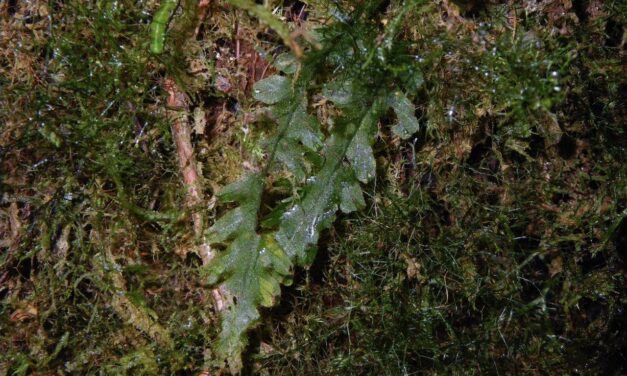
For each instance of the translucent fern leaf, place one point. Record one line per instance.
(406, 122)
(335, 185)
(286, 62)
(272, 89)
(360, 153)
(252, 268)
(296, 124)
(305, 128)
(229, 224)
(328, 165)
(242, 219)
(340, 92)
(242, 191)
(301, 225)
(298, 135)
(290, 154)
(251, 272)
(351, 197)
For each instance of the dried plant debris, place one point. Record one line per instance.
(363, 187)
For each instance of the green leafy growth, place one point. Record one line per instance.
(159, 25)
(406, 124)
(327, 160)
(272, 89)
(250, 271)
(335, 184)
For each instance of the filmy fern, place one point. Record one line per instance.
(327, 160)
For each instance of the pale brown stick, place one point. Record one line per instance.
(177, 115)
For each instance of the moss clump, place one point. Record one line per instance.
(90, 184)
(493, 245)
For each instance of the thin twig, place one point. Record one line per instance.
(177, 115)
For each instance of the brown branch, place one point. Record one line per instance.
(177, 115)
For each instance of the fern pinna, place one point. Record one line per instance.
(326, 164)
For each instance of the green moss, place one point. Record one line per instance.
(491, 239)
(484, 250)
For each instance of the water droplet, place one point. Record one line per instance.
(450, 114)
(40, 163)
(311, 230)
(419, 58)
(290, 213)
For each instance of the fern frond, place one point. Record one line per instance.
(328, 166)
